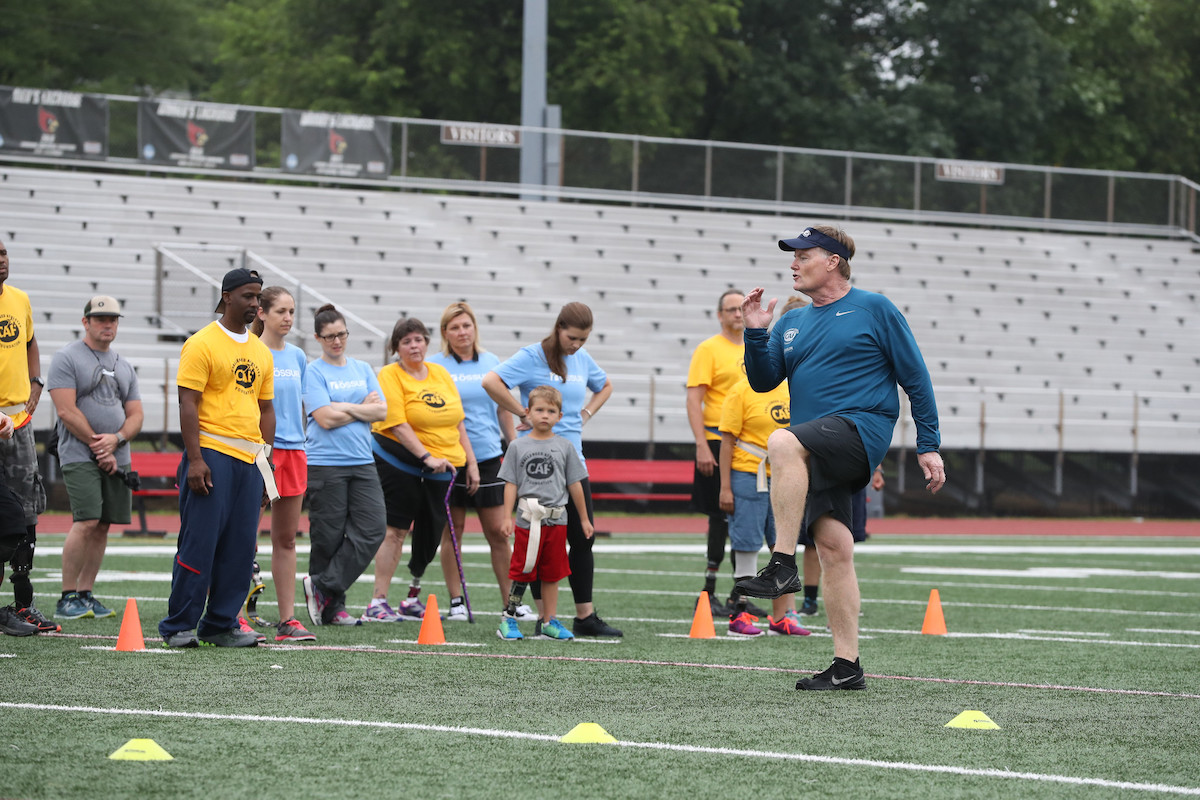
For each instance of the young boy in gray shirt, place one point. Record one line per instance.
(542, 470)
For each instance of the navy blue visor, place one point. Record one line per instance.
(814, 238)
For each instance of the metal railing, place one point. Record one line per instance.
(632, 169)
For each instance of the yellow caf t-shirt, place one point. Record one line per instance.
(718, 364)
(231, 378)
(753, 417)
(16, 329)
(432, 408)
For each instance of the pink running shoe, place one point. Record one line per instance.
(786, 626)
(743, 625)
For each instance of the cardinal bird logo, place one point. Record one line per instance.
(197, 136)
(337, 143)
(47, 121)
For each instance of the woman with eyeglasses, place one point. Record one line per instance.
(560, 361)
(345, 502)
(488, 428)
(421, 441)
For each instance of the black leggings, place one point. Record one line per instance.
(579, 554)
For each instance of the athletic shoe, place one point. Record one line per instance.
(838, 676)
(592, 625)
(342, 618)
(293, 631)
(245, 627)
(181, 639)
(508, 629)
(743, 625)
(720, 609)
(314, 600)
(34, 617)
(787, 625)
(234, 637)
(458, 613)
(12, 624)
(809, 607)
(73, 607)
(773, 580)
(553, 629)
(380, 612)
(98, 609)
(750, 609)
(525, 614)
(412, 609)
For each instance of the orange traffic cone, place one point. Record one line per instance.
(935, 623)
(431, 624)
(702, 621)
(130, 638)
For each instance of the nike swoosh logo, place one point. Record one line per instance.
(841, 313)
(840, 681)
(826, 428)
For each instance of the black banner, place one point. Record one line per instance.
(338, 145)
(186, 134)
(48, 122)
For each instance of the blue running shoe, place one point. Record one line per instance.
(73, 607)
(508, 629)
(553, 629)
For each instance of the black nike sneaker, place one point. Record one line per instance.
(841, 675)
(773, 580)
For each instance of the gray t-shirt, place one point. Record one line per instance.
(542, 468)
(103, 383)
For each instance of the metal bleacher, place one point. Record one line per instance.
(1050, 339)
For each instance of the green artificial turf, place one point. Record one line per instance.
(366, 717)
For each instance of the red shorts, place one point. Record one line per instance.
(551, 564)
(291, 472)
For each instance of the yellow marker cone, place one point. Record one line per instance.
(141, 750)
(588, 733)
(974, 720)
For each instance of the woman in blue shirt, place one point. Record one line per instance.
(488, 428)
(345, 515)
(276, 313)
(560, 361)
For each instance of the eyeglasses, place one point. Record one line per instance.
(731, 310)
(336, 337)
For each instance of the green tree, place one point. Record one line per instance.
(147, 47)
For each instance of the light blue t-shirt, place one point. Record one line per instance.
(483, 427)
(350, 444)
(528, 368)
(289, 396)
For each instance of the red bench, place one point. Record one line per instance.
(651, 474)
(153, 465)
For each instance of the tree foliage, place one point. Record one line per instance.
(1088, 83)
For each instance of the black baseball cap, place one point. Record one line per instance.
(235, 278)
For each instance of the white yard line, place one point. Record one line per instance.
(904, 766)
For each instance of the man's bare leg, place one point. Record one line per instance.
(835, 546)
(789, 488)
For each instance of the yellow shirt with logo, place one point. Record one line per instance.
(231, 378)
(753, 417)
(431, 407)
(718, 364)
(16, 329)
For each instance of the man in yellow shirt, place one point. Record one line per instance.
(717, 364)
(226, 384)
(20, 390)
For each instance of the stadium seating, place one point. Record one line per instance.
(1031, 330)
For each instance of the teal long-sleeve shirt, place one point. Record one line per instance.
(846, 359)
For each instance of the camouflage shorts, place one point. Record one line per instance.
(19, 465)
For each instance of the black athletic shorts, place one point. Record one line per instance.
(491, 488)
(837, 469)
